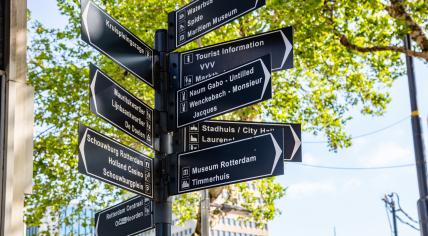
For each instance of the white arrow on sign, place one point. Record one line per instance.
(85, 19)
(82, 149)
(267, 77)
(297, 143)
(278, 152)
(288, 48)
(94, 80)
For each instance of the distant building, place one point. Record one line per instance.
(230, 225)
(80, 225)
(32, 231)
(227, 226)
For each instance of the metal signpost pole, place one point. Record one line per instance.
(163, 207)
(421, 168)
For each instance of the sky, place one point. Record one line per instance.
(321, 201)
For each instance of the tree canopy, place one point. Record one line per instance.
(346, 55)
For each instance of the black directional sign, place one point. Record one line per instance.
(131, 217)
(112, 39)
(107, 160)
(202, 16)
(242, 160)
(211, 133)
(200, 64)
(240, 87)
(118, 106)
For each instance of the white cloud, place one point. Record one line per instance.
(310, 189)
(311, 159)
(352, 184)
(389, 154)
(360, 142)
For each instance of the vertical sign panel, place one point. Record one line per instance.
(211, 133)
(202, 16)
(203, 63)
(131, 217)
(112, 39)
(237, 88)
(119, 107)
(247, 159)
(109, 161)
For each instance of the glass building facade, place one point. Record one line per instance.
(80, 225)
(227, 226)
(71, 225)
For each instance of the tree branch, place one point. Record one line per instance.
(398, 11)
(345, 42)
(227, 208)
(417, 33)
(215, 193)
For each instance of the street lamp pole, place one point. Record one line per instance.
(421, 168)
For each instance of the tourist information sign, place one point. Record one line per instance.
(260, 156)
(203, 63)
(107, 160)
(211, 133)
(112, 39)
(200, 17)
(131, 217)
(240, 87)
(119, 107)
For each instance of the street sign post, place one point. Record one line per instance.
(131, 217)
(237, 88)
(200, 17)
(119, 107)
(107, 160)
(260, 156)
(190, 87)
(203, 63)
(211, 133)
(112, 39)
